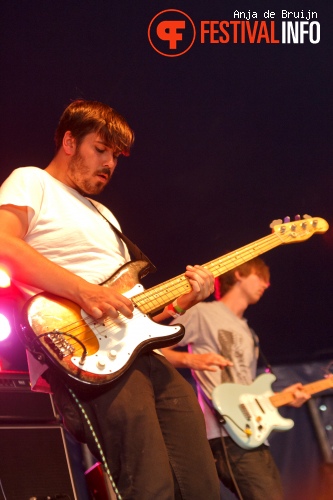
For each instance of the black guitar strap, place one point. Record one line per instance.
(132, 247)
(268, 367)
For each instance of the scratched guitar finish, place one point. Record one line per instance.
(57, 331)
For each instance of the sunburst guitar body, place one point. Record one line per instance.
(59, 332)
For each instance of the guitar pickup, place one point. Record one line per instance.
(245, 411)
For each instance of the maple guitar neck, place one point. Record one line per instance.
(157, 297)
(284, 398)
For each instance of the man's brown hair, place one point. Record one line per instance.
(83, 117)
(256, 266)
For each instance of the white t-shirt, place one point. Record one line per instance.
(65, 228)
(213, 327)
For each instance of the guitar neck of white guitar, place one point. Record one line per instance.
(284, 398)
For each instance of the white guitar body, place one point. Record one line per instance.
(248, 412)
(118, 339)
(60, 332)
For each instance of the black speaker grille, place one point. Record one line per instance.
(34, 463)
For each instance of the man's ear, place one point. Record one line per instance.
(69, 143)
(238, 276)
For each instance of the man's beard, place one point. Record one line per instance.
(78, 170)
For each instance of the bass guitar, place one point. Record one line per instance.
(57, 331)
(249, 412)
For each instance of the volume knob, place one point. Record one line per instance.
(100, 363)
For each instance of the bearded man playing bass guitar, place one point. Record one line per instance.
(145, 426)
(216, 331)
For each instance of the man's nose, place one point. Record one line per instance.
(110, 161)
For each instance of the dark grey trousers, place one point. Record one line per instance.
(254, 471)
(151, 429)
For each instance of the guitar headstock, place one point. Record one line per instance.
(299, 229)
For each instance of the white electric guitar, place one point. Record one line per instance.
(250, 412)
(57, 331)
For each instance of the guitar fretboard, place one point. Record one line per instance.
(284, 398)
(155, 298)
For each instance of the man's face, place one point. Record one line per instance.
(253, 286)
(91, 166)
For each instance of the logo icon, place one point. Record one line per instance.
(171, 33)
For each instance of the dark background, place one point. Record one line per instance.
(228, 138)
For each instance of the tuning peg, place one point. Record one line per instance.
(275, 223)
(297, 217)
(286, 219)
(306, 216)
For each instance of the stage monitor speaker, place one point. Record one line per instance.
(35, 464)
(18, 403)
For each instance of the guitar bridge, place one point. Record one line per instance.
(56, 340)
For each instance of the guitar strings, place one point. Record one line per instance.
(175, 288)
(171, 289)
(86, 333)
(157, 295)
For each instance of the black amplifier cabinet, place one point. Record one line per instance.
(35, 463)
(19, 404)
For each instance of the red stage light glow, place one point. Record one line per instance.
(5, 328)
(4, 279)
